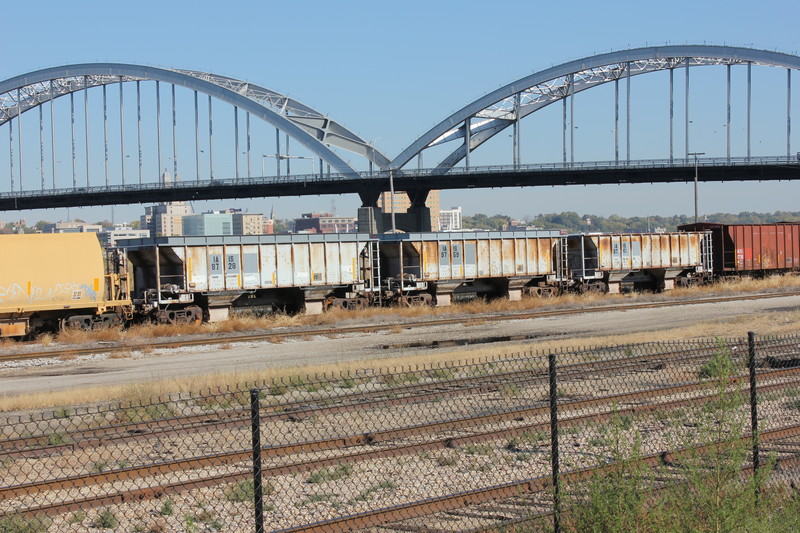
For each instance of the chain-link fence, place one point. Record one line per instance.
(637, 434)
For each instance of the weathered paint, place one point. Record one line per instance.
(251, 278)
(233, 267)
(283, 268)
(468, 258)
(216, 268)
(269, 266)
(50, 271)
(197, 268)
(645, 251)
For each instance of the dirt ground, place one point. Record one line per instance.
(395, 343)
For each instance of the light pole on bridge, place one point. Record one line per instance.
(695, 154)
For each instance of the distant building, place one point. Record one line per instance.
(121, 231)
(165, 219)
(450, 219)
(214, 223)
(225, 222)
(72, 227)
(248, 224)
(324, 223)
(402, 205)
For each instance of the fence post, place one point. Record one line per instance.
(258, 492)
(751, 364)
(554, 442)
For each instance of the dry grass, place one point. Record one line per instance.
(785, 323)
(766, 324)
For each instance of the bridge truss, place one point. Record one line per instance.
(310, 128)
(122, 157)
(479, 121)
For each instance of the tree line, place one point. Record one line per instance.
(572, 221)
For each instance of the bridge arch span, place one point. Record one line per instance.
(309, 127)
(496, 111)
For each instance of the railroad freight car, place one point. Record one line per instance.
(752, 249)
(485, 263)
(177, 278)
(52, 281)
(615, 262)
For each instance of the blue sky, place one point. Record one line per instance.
(390, 71)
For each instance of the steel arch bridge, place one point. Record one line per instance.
(505, 107)
(311, 128)
(468, 129)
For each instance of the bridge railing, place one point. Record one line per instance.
(384, 174)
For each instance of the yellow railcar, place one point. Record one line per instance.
(53, 281)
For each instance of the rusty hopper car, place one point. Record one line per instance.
(55, 281)
(446, 265)
(612, 262)
(753, 249)
(175, 278)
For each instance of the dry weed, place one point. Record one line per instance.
(766, 324)
(45, 339)
(121, 354)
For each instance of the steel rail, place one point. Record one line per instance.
(339, 443)
(482, 495)
(363, 399)
(379, 398)
(527, 315)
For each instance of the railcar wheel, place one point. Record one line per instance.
(77, 322)
(415, 300)
(107, 320)
(348, 303)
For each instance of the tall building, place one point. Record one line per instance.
(450, 219)
(402, 203)
(165, 219)
(248, 223)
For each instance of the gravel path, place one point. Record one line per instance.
(101, 370)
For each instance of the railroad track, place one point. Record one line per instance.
(381, 444)
(275, 336)
(36, 445)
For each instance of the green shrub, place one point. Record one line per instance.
(330, 474)
(106, 519)
(25, 524)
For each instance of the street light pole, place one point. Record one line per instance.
(695, 154)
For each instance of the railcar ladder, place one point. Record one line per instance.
(707, 253)
(562, 264)
(375, 269)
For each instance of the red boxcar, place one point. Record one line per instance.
(753, 248)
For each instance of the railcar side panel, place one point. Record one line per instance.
(251, 278)
(51, 270)
(197, 268)
(269, 265)
(233, 268)
(216, 268)
(753, 248)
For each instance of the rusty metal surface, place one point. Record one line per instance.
(630, 252)
(745, 248)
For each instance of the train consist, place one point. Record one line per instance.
(55, 281)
